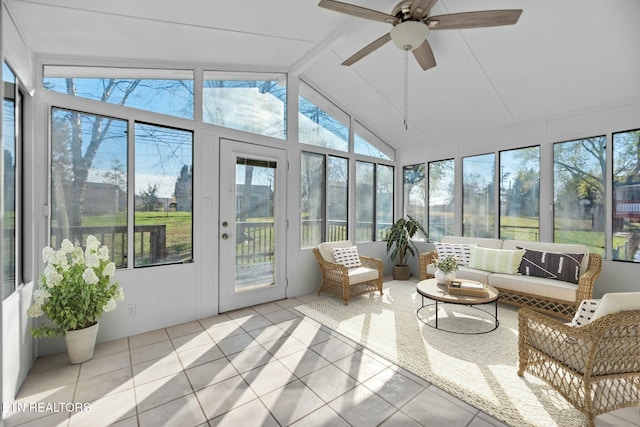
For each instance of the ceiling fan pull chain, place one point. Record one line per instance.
(406, 89)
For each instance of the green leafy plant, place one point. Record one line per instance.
(75, 288)
(399, 239)
(447, 264)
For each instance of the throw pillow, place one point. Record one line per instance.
(585, 312)
(615, 302)
(551, 265)
(347, 256)
(461, 251)
(496, 260)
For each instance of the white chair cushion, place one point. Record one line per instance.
(615, 302)
(362, 274)
(326, 248)
(546, 288)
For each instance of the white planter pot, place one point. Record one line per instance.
(80, 343)
(443, 278)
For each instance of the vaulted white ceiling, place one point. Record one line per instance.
(561, 58)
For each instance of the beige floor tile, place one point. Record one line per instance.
(236, 343)
(225, 396)
(242, 313)
(210, 373)
(267, 307)
(184, 411)
(250, 358)
(96, 387)
(111, 347)
(148, 338)
(159, 392)
(184, 329)
(106, 410)
(253, 322)
(254, 411)
(400, 419)
(269, 333)
(322, 417)
(394, 387)
(196, 339)
(60, 419)
(199, 355)
(333, 349)
(304, 362)
(291, 402)
(267, 378)
(282, 315)
(329, 382)
(156, 369)
(429, 407)
(208, 322)
(47, 363)
(224, 330)
(284, 346)
(360, 406)
(360, 366)
(49, 380)
(289, 302)
(153, 351)
(105, 364)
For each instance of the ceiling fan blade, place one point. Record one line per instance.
(421, 8)
(360, 12)
(484, 18)
(424, 55)
(367, 49)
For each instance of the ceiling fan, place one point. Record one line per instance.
(411, 25)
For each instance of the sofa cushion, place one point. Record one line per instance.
(615, 302)
(462, 251)
(567, 248)
(552, 265)
(347, 256)
(546, 288)
(483, 242)
(496, 260)
(467, 273)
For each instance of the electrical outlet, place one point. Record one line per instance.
(132, 310)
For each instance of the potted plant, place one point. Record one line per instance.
(75, 289)
(445, 269)
(399, 243)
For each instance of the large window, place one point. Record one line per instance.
(384, 200)
(320, 122)
(365, 197)
(164, 195)
(11, 225)
(579, 192)
(626, 196)
(415, 192)
(89, 180)
(441, 199)
(160, 91)
(252, 102)
(478, 177)
(367, 143)
(520, 194)
(314, 193)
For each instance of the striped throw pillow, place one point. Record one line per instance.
(496, 260)
(347, 256)
(461, 251)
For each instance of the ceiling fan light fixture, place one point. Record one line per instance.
(409, 35)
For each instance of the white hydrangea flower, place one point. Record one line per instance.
(35, 311)
(78, 255)
(67, 246)
(119, 296)
(103, 253)
(89, 276)
(109, 270)
(39, 295)
(61, 256)
(109, 306)
(91, 260)
(48, 254)
(53, 277)
(92, 244)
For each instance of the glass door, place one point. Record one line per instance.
(252, 229)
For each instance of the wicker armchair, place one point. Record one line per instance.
(596, 367)
(344, 282)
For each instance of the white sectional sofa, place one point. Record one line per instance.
(550, 295)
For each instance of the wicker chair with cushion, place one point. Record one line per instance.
(345, 273)
(594, 365)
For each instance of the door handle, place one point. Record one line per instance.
(225, 236)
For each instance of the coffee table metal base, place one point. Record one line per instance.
(493, 315)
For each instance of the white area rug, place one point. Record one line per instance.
(479, 369)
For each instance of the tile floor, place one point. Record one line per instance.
(261, 366)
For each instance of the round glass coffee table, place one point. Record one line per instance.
(440, 295)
